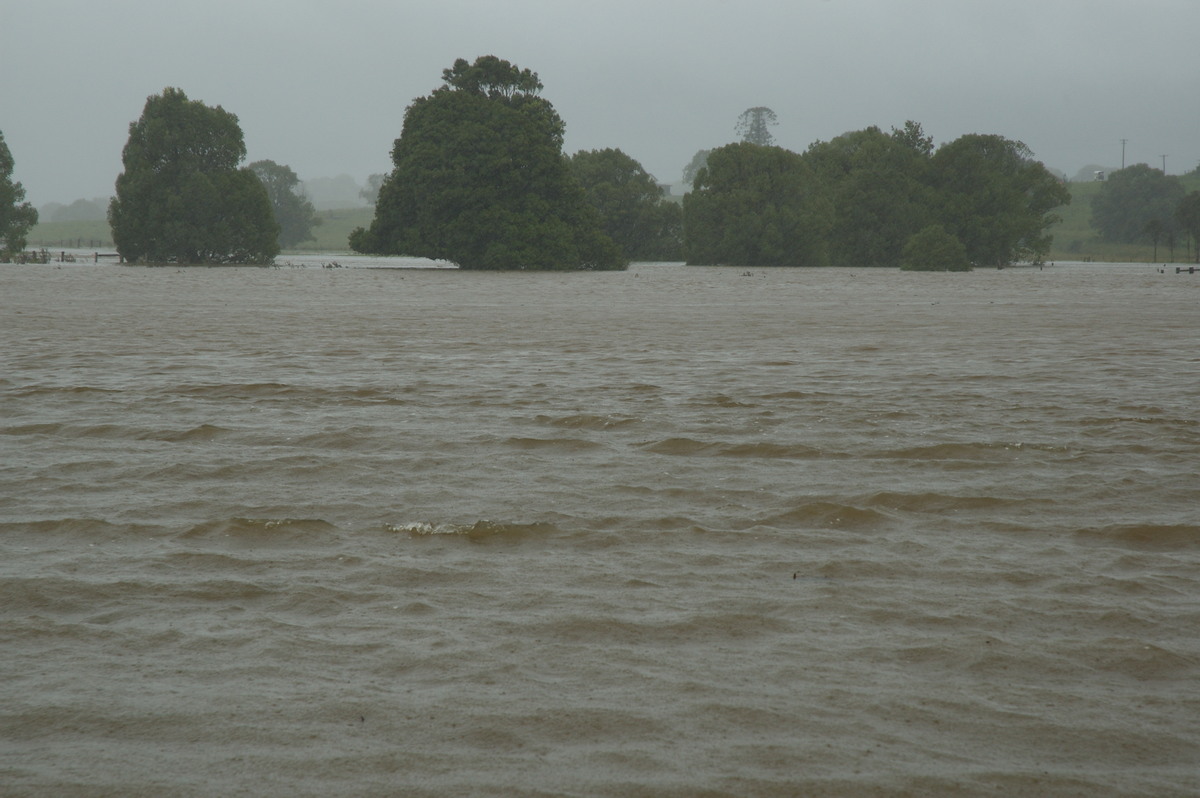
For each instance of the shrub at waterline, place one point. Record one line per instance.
(934, 250)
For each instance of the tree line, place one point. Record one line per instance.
(480, 178)
(1140, 203)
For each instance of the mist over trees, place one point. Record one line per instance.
(754, 126)
(861, 198)
(182, 197)
(1187, 216)
(17, 217)
(1137, 203)
(293, 212)
(633, 212)
(480, 179)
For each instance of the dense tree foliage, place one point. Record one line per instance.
(182, 197)
(295, 215)
(16, 216)
(757, 206)
(858, 200)
(877, 184)
(480, 179)
(635, 214)
(1135, 201)
(995, 198)
(934, 250)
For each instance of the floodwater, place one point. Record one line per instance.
(669, 532)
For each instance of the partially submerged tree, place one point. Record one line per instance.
(756, 206)
(17, 217)
(480, 179)
(294, 213)
(877, 184)
(995, 198)
(182, 197)
(634, 213)
(934, 250)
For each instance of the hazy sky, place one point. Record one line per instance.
(322, 86)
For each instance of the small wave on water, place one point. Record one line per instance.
(1145, 536)
(983, 451)
(587, 421)
(690, 447)
(482, 531)
(829, 515)
(262, 531)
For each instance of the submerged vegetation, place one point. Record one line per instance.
(480, 179)
(182, 197)
(864, 197)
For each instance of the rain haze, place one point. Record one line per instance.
(322, 87)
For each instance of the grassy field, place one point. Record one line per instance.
(332, 234)
(93, 235)
(1074, 237)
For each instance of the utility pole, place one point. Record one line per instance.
(1123, 152)
(1164, 163)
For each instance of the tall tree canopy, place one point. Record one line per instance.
(1134, 201)
(16, 216)
(995, 198)
(756, 206)
(635, 214)
(480, 179)
(876, 183)
(182, 197)
(754, 125)
(294, 213)
(861, 198)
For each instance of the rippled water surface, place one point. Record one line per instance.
(668, 532)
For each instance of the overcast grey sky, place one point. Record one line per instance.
(322, 86)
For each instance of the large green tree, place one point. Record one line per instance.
(182, 197)
(480, 179)
(995, 198)
(757, 206)
(294, 213)
(877, 184)
(1135, 201)
(16, 216)
(635, 214)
